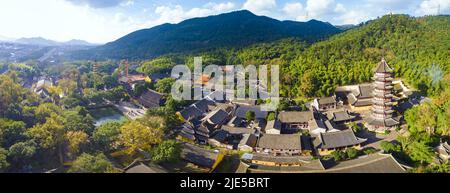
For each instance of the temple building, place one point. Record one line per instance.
(325, 104)
(382, 118)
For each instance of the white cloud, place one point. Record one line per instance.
(390, 5)
(295, 10)
(314, 9)
(340, 8)
(100, 3)
(432, 7)
(292, 9)
(127, 3)
(353, 17)
(175, 14)
(317, 8)
(221, 7)
(260, 6)
(62, 21)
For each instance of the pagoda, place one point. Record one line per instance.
(382, 115)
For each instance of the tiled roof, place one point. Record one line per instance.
(242, 110)
(151, 98)
(237, 130)
(296, 116)
(373, 163)
(274, 124)
(217, 116)
(191, 112)
(340, 116)
(383, 67)
(389, 122)
(337, 139)
(327, 100)
(282, 141)
(142, 168)
(249, 140)
(199, 156)
(203, 105)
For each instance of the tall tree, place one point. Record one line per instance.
(167, 151)
(87, 163)
(50, 135)
(420, 152)
(106, 136)
(76, 139)
(3, 162)
(141, 135)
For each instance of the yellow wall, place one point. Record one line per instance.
(363, 108)
(269, 163)
(218, 160)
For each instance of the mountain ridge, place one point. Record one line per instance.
(40, 41)
(234, 29)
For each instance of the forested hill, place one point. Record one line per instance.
(417, 48)
(235, 29)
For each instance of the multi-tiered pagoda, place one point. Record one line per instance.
(382, 117)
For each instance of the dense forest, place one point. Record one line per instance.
(39, 135)
(417, 49)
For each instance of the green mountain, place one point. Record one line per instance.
(418, 48)
(235, 29)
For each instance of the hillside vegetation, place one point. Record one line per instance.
(417, 48)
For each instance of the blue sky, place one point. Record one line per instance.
(101, 21)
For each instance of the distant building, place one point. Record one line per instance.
(41, 87)
(294, 120)
(216, 117)
(203, 158)
(443, 152)
(281, 161)
(189, 113)
(203, 133)
(273, 127)
(187, 132)
(220, 139)
(361, 98)
(237, 130)
(326, 143)
(246, 102)
(151, 99)
(324, 104)
(340, 117)
(141, 167)
(248, 142)
(284, 144)
(236, 122)
(320, 125)
(196, 111)
(241, 112)
(372, 163)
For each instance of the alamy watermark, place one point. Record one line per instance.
(231, 82)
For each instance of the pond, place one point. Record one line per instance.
(105, 115)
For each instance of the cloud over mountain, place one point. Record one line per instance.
(100, 3)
